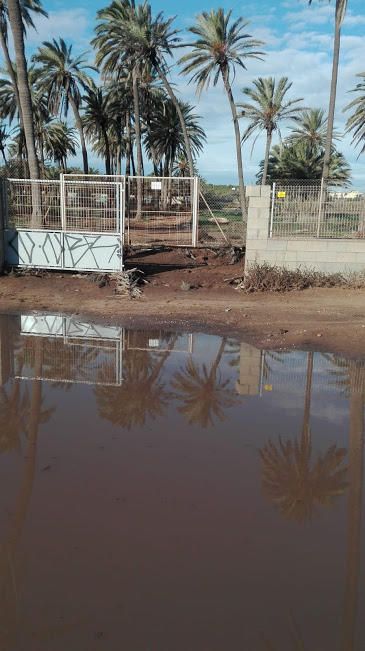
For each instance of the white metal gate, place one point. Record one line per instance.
(74, 223)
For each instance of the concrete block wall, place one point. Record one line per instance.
(327, 255)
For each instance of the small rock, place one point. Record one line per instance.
(228, 309)
(319, 335)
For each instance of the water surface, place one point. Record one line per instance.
(168, 492)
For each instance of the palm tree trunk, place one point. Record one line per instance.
(25, 99)
(238, 144)
(332, 104)
(107, 153)
(11, 73)
(137, 128)
(356, 470)
(80, 129)
(267, 155)
(128, 144)
(176, 104)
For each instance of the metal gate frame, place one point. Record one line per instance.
(59, 240)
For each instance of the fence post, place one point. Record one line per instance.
(62, 202)
(273, 199)
(195, 225)
(320, 208)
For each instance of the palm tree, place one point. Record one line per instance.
(311, 129)
(221, 47)
(341, 7)
(117, 57)
(301, 161)
(26, 8)
(268, 108)
(62, 77)
(356, 121)
(59, 142)
(96, 120)
(130, 33)
(25, 99)
(164, 139)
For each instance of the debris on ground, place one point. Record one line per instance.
(128, 283)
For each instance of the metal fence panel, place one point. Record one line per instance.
(160, 210)
(33, 204)
(306, 211)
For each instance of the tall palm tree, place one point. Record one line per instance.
(341, 8)
(63, 78)
(27, 7)
(356, 121)
(134, 34)
(116, 56)
(164, 140)
(222, 46)
(269, 107)
(25, 99)
(96, 120)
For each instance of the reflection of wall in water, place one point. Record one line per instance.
(250, 371)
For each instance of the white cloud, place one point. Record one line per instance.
(72, 25)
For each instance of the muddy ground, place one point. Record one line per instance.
(323, 319)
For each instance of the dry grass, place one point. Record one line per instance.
(271, 278)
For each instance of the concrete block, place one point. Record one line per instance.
(253, 191)
(277, 245)
(260, 202)
(266, 191)
(260, 243)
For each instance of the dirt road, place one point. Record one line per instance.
(323, 319)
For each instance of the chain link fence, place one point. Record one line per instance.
(304, 209)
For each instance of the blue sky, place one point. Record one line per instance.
(298, 44)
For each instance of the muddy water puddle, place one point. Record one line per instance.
(165, 492)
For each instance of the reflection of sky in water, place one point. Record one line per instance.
(161, 535)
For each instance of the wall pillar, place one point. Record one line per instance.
(258, 221)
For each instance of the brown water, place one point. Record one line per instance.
(165, 492)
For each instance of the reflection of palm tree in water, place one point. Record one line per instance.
(290, 478)
(354, 381)
(9, 593)
(350, 376)
(142, 395)
(203, 391)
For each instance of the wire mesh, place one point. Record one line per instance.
(312, 211)
(33, 204)
(92, 206)
(160, 210)
(220, 216)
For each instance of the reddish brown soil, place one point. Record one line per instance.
(325, 319)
